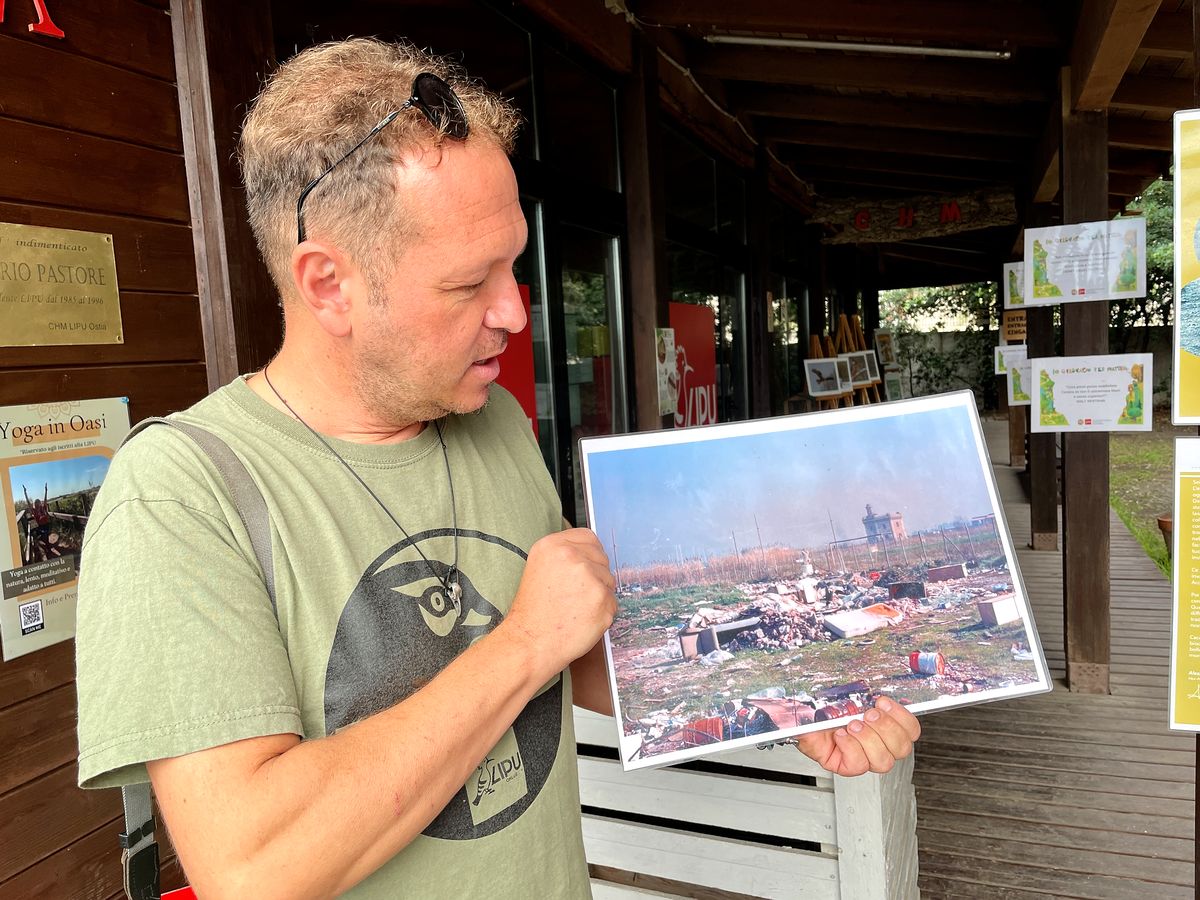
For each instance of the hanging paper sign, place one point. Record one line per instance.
(1184, 695)
(53, 457)
(668, 372)
(696, 363)
(885, 347)
(1014, 285)
(516, 365)
(1185, 376)
(1007, 355)
(1013, 328)
(1084, 262)
(1019, 375)
(1092, 393)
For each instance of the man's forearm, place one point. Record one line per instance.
(314, 818)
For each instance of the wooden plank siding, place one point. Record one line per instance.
(90, 139)
(1064, 794)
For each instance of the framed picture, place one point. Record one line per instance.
(893, 384)
(872, 365)
(860, 371)
(843, 372)
(822, 378)
(777, 576)
(885, 346)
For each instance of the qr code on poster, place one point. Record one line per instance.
(31, 617)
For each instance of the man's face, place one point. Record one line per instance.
(430, 342)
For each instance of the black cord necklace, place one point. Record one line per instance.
(451, 583)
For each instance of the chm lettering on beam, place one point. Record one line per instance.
(860, 221)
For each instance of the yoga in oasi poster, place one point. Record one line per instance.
(1186, 388)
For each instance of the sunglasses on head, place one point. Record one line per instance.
(433, 97)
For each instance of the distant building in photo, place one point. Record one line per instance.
(883, 527)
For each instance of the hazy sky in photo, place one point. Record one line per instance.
(65, 476)
(923, 465)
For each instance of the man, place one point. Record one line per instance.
(397, 722)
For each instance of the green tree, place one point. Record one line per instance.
(1131, 318)
(944, 337)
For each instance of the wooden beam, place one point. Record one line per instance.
(1107, 35)
(931, 21)
(1086, 585)
(645, 203)
(604, 35)
(892, 140)
(1169, 35)
(1138, 162)
(1147, 92)
(1120, 185)
(758, 312)
(891, 112)
(1045, 172)
(1139, 134)
(822, 178)
(965, 170)
(204, 169)
(998, 81)
(682, 97)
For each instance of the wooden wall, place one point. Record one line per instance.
(90, 139)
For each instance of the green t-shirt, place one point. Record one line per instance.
(178, 648)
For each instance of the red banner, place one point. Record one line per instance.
(516, 366)
(696, 364)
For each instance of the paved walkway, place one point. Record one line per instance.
(1064, 795)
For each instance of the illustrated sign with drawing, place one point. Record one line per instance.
(1084, 262)
(1092, 393)
(1013, 279)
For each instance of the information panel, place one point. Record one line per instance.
(1184, 700)
(1185, 393)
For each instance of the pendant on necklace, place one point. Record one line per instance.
(455, 590)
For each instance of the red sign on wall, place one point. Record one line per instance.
(696, 363)
(516, 365)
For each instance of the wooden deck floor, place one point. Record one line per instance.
(1064, 795)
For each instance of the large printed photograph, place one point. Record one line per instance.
(779, 576)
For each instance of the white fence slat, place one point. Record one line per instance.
(606, 890)
(743, 804)
(738, 866)
(593, 728)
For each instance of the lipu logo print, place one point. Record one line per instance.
(398, 630)
(492, 772)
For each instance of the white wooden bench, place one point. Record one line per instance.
(762, 823)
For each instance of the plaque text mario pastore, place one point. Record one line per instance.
(57, 287)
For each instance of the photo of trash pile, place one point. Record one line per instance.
(771, 655)
(806, 575)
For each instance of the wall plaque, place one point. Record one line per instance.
(57, 287)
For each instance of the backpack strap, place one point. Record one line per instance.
(139, 856)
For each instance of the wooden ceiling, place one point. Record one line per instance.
(861, 123)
